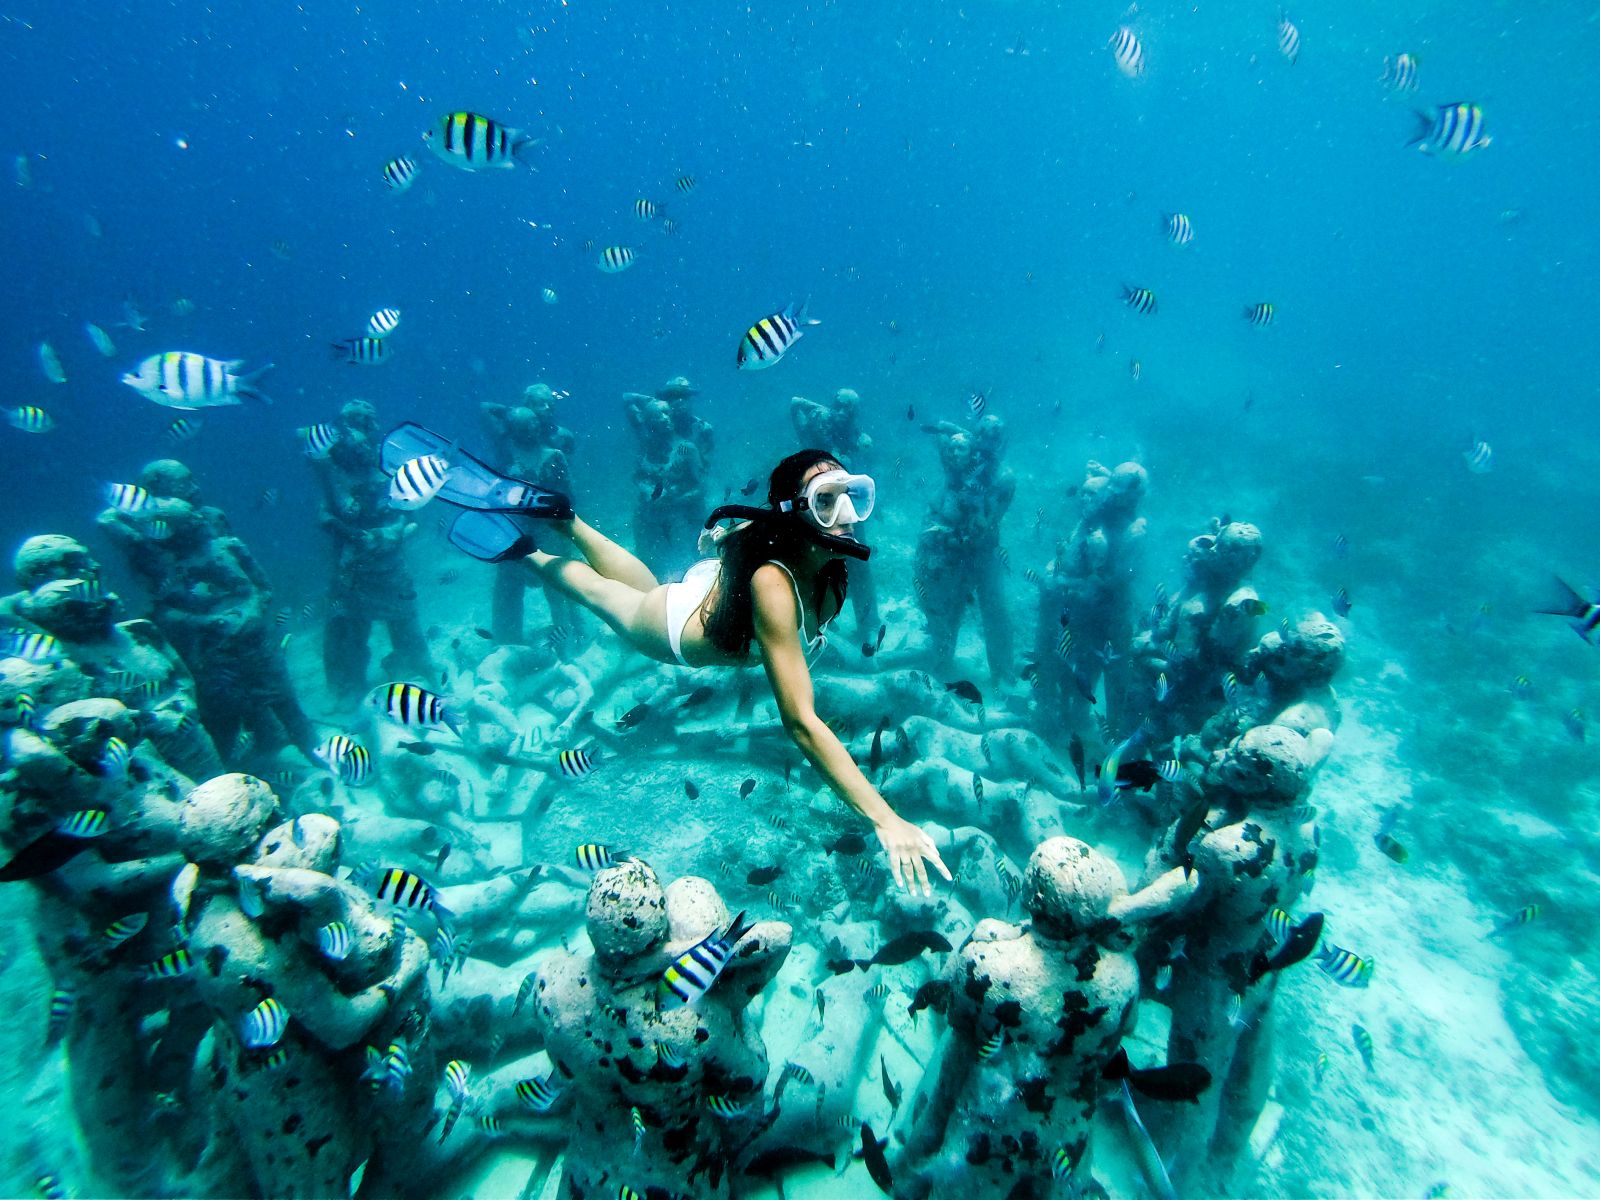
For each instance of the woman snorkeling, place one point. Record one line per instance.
(779, 577)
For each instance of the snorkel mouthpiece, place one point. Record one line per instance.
(848, 547)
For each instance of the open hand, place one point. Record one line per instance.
(909, 851)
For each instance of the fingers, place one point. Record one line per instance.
(932, 855)
(921, 875)
(895, 866)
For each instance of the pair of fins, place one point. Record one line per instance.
(495, 508)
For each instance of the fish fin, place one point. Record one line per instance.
(245, 385)
(1118, 1067)
(1424, 128)
(737, 929)
(801, 317)
(1565, 601)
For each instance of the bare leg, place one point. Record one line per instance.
(638, 615)
(606, 557)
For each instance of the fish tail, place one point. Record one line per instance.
(246, 384)
(521, 146)
(1564, 601)
(1424, 128)
(737, 929)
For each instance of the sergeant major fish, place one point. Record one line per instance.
(184, 380)
(475, 143)
(770, 338)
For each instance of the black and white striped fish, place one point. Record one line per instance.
(645, 209)
(1400, 72)
(1452, 130)
(127, 498)
(263, 1026)
(63, 1003)
(1179, 229)
(363, 351)
(316, 440)
(406, 889)
(724, 1107)
(1141, 300)
(170, 966)
(124, 928)
(576, 764)
(88, 823)
(615, 259)
(1344, 967)
(691, 974)
(1128, 52)
(400, 172)
(1260, 314)
(29, 418)
(592, 856)
(1479, 457)
(335, 940)
(770, 338)
(383, 322)
(30, 647)
(417, 481)
(412, 706)
(184, 429)
(346, 758)
(538, 1094)
(1288, 38)
(180, 379)
(475, 143)
(684, 183)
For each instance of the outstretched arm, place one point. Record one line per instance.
(776, 622)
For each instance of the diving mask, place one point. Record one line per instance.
(835, 498)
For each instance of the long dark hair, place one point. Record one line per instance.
(730, 626)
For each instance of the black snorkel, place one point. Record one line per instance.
(847, 547)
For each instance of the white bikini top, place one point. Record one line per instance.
(813, 645)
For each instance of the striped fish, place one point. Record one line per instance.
(29, 418)
(1279, 923)
(1141, 300)
(765, 342)
(114, 756)
(49, 1187)
(363, 351)
(1400, 72)
(33, 647)
(1525, 915)
(671, 1058)
(335, 940)
(417, 481)
(644, 209)
(725, 1108)
(128, 498)
(614, 260)
(576, 764)
(63, 1002)
(1260, 314)
(275, 1060)
(400, 172)
(592, 856)
(475, 143)
(548, 295)
(669, 226)
(405, 889)
(316, 440)
(691, 974)
(524, 990)
(27, 706)
(457, 1078)
(89, 823)
(183, 380)
(1125, 48)
(976, 403)
(1171, 770)
(1062, 1162)
(1288, 38)
(346, 758)
(684, 183)
(184, 429)
(1479, 457)
(992, 1044)
(638, 1128)
(412, 706)
(1363, 1041)
(1180, 230)
(1452, 129)
(383, 322)
(264, 1024)
(1344, 967)
(170, 966)
(538, 1094)
(1230, 688)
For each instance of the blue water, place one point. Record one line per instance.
(896, 165)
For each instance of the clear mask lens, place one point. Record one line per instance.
(839, 498)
